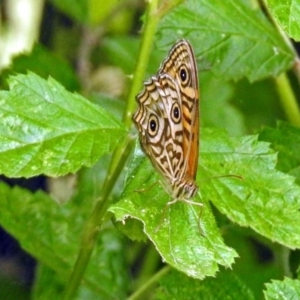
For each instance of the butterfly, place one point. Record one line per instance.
(167, 120)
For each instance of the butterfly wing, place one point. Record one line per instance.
(159, 123)
(181, 66)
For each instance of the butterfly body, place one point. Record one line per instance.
(168, 120)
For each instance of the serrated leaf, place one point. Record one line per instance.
(285, 139)
(186, 236)
(45, 129)
(233, 38)
(225, 286)
(51, 233)
(287, 14)
(264, 199)
(286, 289)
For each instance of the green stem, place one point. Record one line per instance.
(153, 16)
(148, 285)
(288, 99)
(91, 229)
(286, 94)
(150, 263)
(120, 155)
(283, 259)
(151, 21)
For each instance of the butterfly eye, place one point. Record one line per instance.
(153, 125)
(175, 113)
(183, 74)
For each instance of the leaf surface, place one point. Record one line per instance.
(287, 14)
(238, 176)
(47, 130)
(232, 38)
(285, 289)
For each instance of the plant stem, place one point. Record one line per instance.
(120, 155)
(283, 260)
(139, 293)
(151, 21)
(153, 16)
(150, 264)
(287, 99)
(91, 229)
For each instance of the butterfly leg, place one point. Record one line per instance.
(146, 188)
(199, 204)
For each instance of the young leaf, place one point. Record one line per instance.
(51, 233)
(287, 14)
(45, 129)
(286, 289)
(225, 286)
(232, 37)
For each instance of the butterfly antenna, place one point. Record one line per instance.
(221, 176)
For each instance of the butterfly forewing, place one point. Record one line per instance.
(168, 122)
(181, 63)
(161, 135)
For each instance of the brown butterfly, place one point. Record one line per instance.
(168, 121)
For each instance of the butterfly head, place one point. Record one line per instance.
(184, 188)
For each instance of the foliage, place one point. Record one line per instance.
(248, 178)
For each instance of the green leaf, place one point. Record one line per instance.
(225, 286)
(185, 235)
(264, 197)
(122, 52)
(216, 110)
(286, 289)
(285, 139)
(287, 14)
(45, 129)
(51, 233)
(232, 38)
